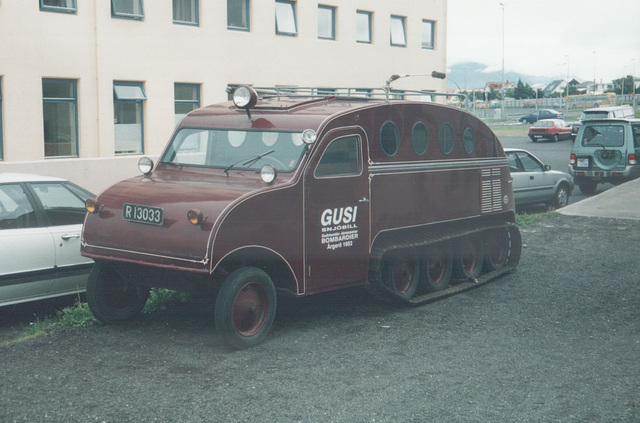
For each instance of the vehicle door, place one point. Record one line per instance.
(337, 212)
(537, 184)
(27, 252)
(64, 207)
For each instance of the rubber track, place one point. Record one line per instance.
(457, 286)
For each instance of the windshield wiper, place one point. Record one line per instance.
(250, 161)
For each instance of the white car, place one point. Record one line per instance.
(534, 182)
(40, 225)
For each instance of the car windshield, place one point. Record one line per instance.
(231, 149)
(605, 135)
(593, 115)
(543, 123)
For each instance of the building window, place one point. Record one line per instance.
(186, 98)
(128, 9)
(63, 6)
(286, 18)
(60, 112)
(428, 28)
(238, 14)
(398, 37)
(128, 100)
(363, 27)
(326, 22)
(185, 12)
(1, 149)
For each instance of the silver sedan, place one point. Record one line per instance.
(535, 183)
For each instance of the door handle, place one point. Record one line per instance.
(67, 237)
(363, 200)
(532, 177)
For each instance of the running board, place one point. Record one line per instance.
(461, 286)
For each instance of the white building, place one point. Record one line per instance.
(87, 87)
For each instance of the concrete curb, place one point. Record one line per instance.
(621, 202)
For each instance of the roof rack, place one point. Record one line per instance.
(377, 93)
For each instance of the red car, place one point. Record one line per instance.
(551, 129)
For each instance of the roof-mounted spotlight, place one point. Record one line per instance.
(245, 97)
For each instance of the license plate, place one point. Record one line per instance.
(583, 162)
(142, 214)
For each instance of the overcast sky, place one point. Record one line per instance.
(542, 36)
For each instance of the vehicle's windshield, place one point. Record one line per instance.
(232, 149)
(603, 136)
(543, 124)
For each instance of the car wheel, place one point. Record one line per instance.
(588, 187)
(468, 261)
(533, 139)
(437, 269)
(556, 138)
(245, 307)
(401, 275)
(111, 298)
(560, 198)
(497, 250)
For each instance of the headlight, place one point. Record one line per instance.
(145, 165)
(309, 136)
(268, 174)
(245, 97)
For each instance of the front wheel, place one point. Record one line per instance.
(111, 298)
(556, 138)
(245, 307)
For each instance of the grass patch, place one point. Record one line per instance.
(516, 130)
(525, 219)
(79, 315)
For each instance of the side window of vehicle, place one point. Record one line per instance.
(636, 136)
(62, 206)
(342, 157)
(16, 211)
(528, 163)
(513, 162)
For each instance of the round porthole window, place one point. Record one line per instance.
(468, 141)
(419, 138)
(445, 138)
(389, 138)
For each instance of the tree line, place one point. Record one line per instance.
(523, 91)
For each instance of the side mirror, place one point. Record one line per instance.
(547, 168)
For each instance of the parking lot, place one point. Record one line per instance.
(558, 340)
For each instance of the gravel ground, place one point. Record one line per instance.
(556, 341)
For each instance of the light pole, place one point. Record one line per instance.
(566, 100)
(633, 79)
(594, 73)
(502, 82)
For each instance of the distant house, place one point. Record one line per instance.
(589, 87)
(497, 86)
(557, 86)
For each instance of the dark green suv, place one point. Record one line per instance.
(605, 150)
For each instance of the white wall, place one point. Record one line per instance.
(96, 49)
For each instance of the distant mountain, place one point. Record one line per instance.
(476, 75)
